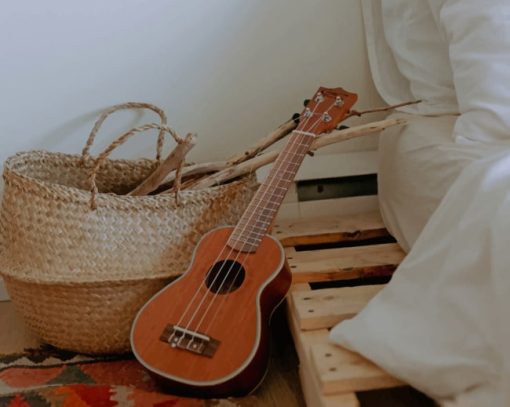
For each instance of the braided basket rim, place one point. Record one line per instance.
(68, 194)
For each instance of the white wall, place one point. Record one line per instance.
(228, 70)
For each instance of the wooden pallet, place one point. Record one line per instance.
(317, 255)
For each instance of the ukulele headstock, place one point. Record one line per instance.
(325, 110)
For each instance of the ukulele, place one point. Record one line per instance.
(206, 334)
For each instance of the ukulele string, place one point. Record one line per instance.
(190, 303)
(223, 265)
(291, 157)
(188, 325)
(226, 279)
(222, 301)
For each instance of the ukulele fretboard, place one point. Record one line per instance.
(262, 210)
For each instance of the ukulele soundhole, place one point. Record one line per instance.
(225, 277)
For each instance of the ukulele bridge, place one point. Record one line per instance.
(195, 342)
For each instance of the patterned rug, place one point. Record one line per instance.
(47, 377)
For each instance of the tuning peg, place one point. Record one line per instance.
(326, 117)
(305, 102)
(296, 117)
(342, 127)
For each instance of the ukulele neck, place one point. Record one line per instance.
(261, 211)
(322, 113)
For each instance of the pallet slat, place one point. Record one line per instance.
(352, 372)
(344, 263)
(316, 309)
(342, 371)
(303, 340)
(330, 229)
(330, 374)
(309, 384)
(313, 396)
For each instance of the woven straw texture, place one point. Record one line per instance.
(78, 275)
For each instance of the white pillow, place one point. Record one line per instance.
(478, 34)
(421, 53)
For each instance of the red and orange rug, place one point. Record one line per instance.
(47, 377)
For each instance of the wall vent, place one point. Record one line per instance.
(340, 187)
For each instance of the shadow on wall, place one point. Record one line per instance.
(112, 128)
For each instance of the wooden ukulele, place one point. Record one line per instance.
(206, 334)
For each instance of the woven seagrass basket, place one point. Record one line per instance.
(77, 275)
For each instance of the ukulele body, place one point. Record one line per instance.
(202, 339)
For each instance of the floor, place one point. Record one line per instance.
(280, 388)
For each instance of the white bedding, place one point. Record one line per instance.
(441, 324)
(418, 163)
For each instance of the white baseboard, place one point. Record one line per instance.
(330, 166)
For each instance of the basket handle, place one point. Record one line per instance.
(129, 105)
(120, 140)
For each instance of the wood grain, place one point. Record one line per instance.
(320, 141)
(314, 398)
(276, 135)
(344, 263)
(294, 232)
(330, 374)
(231, 318)
(174, 159)
(333, 368)
(341, 371)
(316, 309)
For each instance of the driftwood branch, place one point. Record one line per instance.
(323, 140)
(235, 171)
(263, 143)
(380, 109)
(172, 162)
(337, 136)
(213, 173)
(191, 171)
